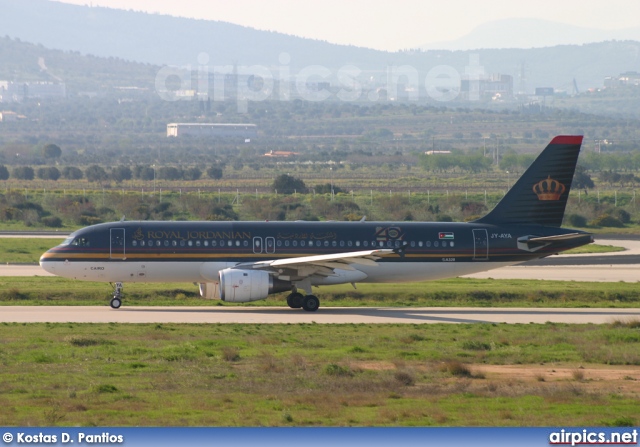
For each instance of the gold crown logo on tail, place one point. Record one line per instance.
(549, 189)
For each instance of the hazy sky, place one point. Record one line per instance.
(386, 24)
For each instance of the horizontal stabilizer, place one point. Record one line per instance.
(534, 243)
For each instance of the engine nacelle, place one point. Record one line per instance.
(241, 286)
(210, 290)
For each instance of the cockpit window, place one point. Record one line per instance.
(67, 241)
(81, 242)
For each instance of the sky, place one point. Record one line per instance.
(385, 24)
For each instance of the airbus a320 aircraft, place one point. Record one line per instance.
(247, 261)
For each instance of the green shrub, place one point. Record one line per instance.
(606, 220)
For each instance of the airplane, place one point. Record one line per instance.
(247, 261)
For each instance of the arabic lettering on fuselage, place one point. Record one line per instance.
(317, 236)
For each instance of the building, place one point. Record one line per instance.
(281, 154)
(8, 117)
(246, 131)
(623, 79)
(12, 91)
(42, 90)
(491, 87)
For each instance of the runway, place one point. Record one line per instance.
(335, 315)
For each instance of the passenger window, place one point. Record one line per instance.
(436, 243)
(420, 244)
(326, 243)
(451, 244)
(134, 243)
(413, 243)
(190, 243)
(166, 243)
(206, 243)
(182, 243)
(157, 243)
(428, 243)
(197, 243)
(142, 243)
(295, 243)
(286, 243)
(342, 243)
(365, 243)
(303, 243)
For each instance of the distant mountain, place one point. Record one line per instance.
(531, 33)
(161, 40)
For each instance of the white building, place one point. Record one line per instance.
(212, 130)
(7, 116)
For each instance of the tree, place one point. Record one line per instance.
(121, 173)
(192, 174)
(286, 184)
(95, 173)
(50, 173)
(170, 173)
(51, 151)
(582, 180)
(214, 172)
(4, 172)
(72, 173)
(143, 172)
(23, 173)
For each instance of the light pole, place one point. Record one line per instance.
(331, 169)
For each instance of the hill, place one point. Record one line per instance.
(26, 62)
(531, 33)
(164, 40)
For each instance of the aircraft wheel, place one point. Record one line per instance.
(310, 303)
(116, 303)
(294, 300)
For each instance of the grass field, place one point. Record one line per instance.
(317, 375)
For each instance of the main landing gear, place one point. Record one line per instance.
(116, 301)
(296, 300)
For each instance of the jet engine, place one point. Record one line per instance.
(241, 286)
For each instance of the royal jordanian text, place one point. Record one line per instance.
(66, 438)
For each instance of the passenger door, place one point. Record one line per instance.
(117, 246)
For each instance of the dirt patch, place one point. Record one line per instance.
(623, 379)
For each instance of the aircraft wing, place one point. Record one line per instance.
(321, 265)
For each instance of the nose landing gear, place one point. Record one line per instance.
(116, 301)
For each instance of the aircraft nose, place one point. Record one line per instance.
(45, 264)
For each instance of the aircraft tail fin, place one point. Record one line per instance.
(540, 195)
